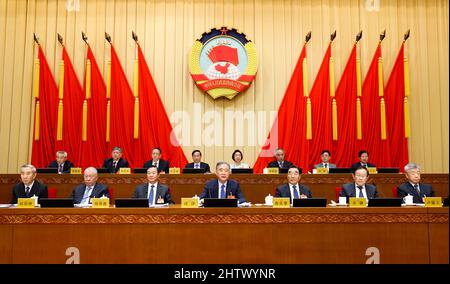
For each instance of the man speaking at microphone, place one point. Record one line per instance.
(222, 187)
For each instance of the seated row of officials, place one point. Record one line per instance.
(116, 161)
(222, 187)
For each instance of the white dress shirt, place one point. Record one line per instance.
(363, 191)
(220, 189)
(155, 186)
(291, 189)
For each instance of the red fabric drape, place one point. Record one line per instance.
(155, 129)
(378, 149)
(322, 131)
(122, 110)
(72, 112)
(344, 149)
(43, 151)
(289, 128)
(395, 94)
(94, 149)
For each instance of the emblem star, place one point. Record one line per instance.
(224, 30)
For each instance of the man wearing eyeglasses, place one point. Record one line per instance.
(83, 193)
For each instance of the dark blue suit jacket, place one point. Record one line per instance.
(406, 188)
(211, 190)
(274, 164)
(356, 165)
(202, 166)
(98, 191)
(283, 191)
(163, 165)
(108, 164)
(40, 190)
(66, 168)
(348, 190)
(162, 191)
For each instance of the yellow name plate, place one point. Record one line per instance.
(25, 202)
(75, 171)
(124, 171)
(174, 171)
(281, 202)
(189, 202)
(433, 202)
(100, 202)
(372, 170)
(357, 202)
(322, 170)
(273, 171)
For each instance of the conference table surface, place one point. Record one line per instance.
(224, 235)
(255, 187)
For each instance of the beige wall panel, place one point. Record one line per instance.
(167, 30)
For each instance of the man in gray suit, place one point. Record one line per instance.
(325, 156)
(155, 192)
(359, 188)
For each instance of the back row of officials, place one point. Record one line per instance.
(222, 187)
(116, 161)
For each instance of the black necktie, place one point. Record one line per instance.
(27, 191)
(326, 165)
(114, 164)
(360, 191)
(60, 168)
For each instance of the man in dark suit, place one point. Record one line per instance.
(222, 187)
(293, 189)
(325, 156)
(61, 163)
(155, 192)
(280, 162)
(29, 186)
(198, 164)
(363, 156)
(160, 164)
(359, 188)
(116, 162)
(413, 186)
(83, 193)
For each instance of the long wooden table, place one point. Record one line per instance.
(254, 186)
(224, 235)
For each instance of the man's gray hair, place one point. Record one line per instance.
(91, 170)
(64, 153)
(117, 149)
(222, 163)
(279, 149)
(411, 166)
(29, 166)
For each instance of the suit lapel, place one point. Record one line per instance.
(215, 190)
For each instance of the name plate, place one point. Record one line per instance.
(25, 202)
(322, 171)
(75, 171)
(372, 170)
(189, 202)
(357, 202)
(174, 171)
(433, 202)
(281, 202)
(100, 202)
(124, 171)
(273, 171)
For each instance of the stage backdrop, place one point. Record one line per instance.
(167, 29)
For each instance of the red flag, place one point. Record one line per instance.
(43, 151)
(344, 149)
(122, 106)
(372, 141)
(289, 128)
(321, 112)
(395, 113)
(72, 112)
(94, 149)
(155, 129)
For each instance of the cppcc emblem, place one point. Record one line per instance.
(223, 63)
